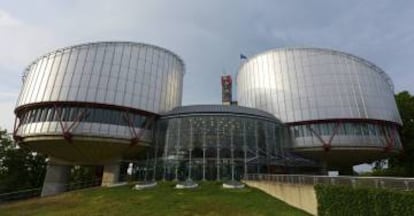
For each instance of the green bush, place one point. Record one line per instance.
(345, 200)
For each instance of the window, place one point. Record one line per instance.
(72, 113)
(44, 113)
(32, 115)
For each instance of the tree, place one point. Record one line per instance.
(20, 168)
(405, 161)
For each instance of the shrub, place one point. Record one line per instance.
(345, 200)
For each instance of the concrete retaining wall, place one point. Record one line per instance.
(297, 195)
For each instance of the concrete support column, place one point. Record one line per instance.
(110, 174)
(56, 179)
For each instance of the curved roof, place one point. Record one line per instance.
(332, 51)
(215, 108)
(97, 43)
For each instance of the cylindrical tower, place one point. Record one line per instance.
(340, 108)
(95, 102)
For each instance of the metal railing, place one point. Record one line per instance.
(393, 183)
(36, 192)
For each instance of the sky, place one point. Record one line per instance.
(208, 35)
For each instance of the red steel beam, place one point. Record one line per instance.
(84, 104)
(326, 145)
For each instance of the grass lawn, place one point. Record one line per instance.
(208, 199)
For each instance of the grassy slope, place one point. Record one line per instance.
(209, 199)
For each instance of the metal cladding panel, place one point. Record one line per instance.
(126, 74)
(305, 84)
(218, 109)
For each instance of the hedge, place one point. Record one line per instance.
(345, 200)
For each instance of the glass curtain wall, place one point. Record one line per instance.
(215, 147)
(374, 133)
(83, 114)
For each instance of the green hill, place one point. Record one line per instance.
(208, 199)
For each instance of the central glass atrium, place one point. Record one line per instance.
(214, 142)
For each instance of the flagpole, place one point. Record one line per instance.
(243, 58)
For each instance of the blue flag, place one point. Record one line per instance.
(242, 56)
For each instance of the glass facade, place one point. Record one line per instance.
(344, 134)
(94, 100)
(134, 76)
(302, 84)
(314, 89)
(127, 74)
(219, 145)
(78, 113)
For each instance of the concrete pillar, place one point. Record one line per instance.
(56, 179)
(110, 174)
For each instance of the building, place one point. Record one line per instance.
(220, 142)
(226, 90)
(340, 108)
(110, 102)
(95, 104)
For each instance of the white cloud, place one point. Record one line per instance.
(6, 115)
(5, 95)
(20, 42)
(208, 35)
(6, 20)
